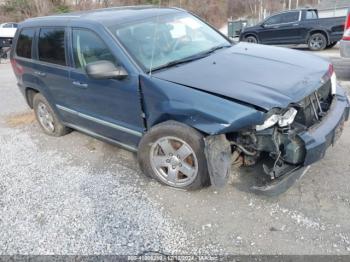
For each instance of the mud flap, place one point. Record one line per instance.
(218, 154)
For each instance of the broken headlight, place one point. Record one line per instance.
(283, 120)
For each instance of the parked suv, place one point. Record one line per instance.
(166, 84)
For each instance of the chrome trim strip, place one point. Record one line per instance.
(102, 122)
(67, 109)
(93, 134)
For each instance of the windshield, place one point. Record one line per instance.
(159, 41)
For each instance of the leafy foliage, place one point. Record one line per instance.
(215, 12)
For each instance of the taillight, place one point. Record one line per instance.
(330, 75)
(346, 35)
(18, 69)
(330, 70)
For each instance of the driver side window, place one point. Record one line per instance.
(88, 48)
(273, 20)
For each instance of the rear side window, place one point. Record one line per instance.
(290, 17)
(311, 14)
(51, 46)
(88, 48)
(24, 43)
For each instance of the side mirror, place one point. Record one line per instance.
(105, 70)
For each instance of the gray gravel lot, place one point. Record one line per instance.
(77, 195)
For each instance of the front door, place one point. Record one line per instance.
(282, 29)
(110, 107)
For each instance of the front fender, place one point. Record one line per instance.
(207, 112)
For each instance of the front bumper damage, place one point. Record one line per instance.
(293, 151)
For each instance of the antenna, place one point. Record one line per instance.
(154, 38)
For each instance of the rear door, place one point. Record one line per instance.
(21, 58)
(51, 69)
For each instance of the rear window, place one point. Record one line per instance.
(24, 43)
(51, 46)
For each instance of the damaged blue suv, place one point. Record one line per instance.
(162, 82)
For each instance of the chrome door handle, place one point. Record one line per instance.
(79, 84)
(38, 73)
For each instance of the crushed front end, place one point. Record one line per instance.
(293, 138)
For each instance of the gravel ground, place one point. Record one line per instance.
(77, 195)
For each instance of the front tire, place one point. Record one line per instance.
(173, 154)
(251, 39)
(317, 42)
(47, 118)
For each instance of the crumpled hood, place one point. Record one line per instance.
(259, 75)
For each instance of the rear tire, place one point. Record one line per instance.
(317, 42)
(47, 118)
(173, 154)
(251, 39)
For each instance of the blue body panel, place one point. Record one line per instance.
(204, 111)
(228, 91)
(320, 137)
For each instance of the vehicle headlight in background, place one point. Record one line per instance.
(330, 75)
(283, 120)
(334, 83)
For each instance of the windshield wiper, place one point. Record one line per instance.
(215, 48)
(180, 61)
(191, 58)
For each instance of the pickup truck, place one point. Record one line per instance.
(302, 26)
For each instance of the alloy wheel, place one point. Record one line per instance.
(316, 42)
(45, 118)
(174, 162)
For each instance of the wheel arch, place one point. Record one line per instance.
(245, 35)
(321, 31)
(185, 135)
(29, 95)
